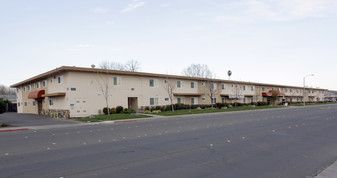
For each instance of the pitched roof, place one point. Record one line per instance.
(119, 72)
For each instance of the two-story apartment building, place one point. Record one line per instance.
(78, 92)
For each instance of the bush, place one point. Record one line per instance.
(105, 110)
(113, 111)
(219, 105)
(147, 108)
(126, 111)
(147, 112)
(119, 109)
(2, 106)
(132, 111)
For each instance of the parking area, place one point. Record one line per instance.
(21, 120)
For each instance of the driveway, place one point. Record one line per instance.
(22, 120)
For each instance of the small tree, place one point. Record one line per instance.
(211, 90)
(104, 85)
(275, 96)
(198, 70)
(170, 87)
(132, 65)
(237, 91)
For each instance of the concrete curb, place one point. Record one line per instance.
(330, 172)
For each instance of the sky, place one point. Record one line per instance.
(267, 41)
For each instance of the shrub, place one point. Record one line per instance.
(158, 107)
(147, 112)
(119, 109)
(156, 111)
(105, 110)
(219, 105)
(113, 111)
(126, 111)
(132, 111)
(147, 108)
(2, 106)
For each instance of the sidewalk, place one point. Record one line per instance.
(330, 172)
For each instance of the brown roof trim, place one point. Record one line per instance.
(97, 70)
(54, 94)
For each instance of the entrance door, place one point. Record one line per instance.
(133, 103)
(39, 106)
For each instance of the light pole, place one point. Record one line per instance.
(304, 87)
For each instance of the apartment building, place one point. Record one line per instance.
(78, 92)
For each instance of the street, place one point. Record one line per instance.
(285, 143)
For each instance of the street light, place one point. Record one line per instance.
(304, 87)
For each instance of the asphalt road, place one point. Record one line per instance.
(292, 142)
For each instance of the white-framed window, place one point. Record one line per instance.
(25, 103)
(72, 106)
(213, 86)
(60, 79)
(38, 85)
(194, 100)
(33, 85)
(51, 103)
(44, 83)
(180, 84)
(24, 88)
(252, 88)
(153, 83)
(29, 87)
(194, 84)
(223, 100)
(18, 104)
(244, 100)
(244, 87)
(34, 103)
(167, 99)
(213, 100)
(223, 86)
(117, 81)
(153, 101)
(181, 100)
(263, 89)
(286, 89)
(203, 83)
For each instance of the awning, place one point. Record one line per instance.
(187, 94)
(36, 94)
(55, 94)
(271, 92)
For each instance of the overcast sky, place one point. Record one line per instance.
(269, 41)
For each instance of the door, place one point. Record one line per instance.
(133, 103)
(39, 106)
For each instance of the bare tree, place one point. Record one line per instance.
(104, 85)
(4, 90)
(132, 65)
(211, 90)
(170, 87)
(237, 93)
(198, 70)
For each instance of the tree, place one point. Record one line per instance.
(170, 87)
(132, 65)
(2, 106)
(275, 95)
(237, 93)
(198, 70)
(104, 85)
(211, 90)
(4, 90)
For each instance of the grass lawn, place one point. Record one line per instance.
(310, 104)
(111, 117)
(199, 111)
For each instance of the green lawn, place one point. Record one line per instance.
(199, 111)
(111, 117)
(310, 104)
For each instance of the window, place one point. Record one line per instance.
(25, 103)
(263, 89)
(244, 100)
(244, 88)
(203, 99)
(223, 100)
(180, 84)
(203, 83)
(166, 99)
(29, 87)
(60, 79)
(213, 86)
(51, 103)
(18, 104)
(117, 81)
(252, 88)
(213, 100)
(33, 85)
(72, 106)
(223, 86)
(192, 84)
(34, 103)
(153, 83)
(291, 90)
(44, 83)
(153, 101)
(181, 100)
(24, 88)
(194, 100)
(286, 89)
(38, 85)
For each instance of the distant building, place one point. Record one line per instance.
(330, 96)
(12, 105)
(76, 92)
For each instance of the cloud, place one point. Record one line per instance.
(133, 5)
(276, 10)
(101, 10)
